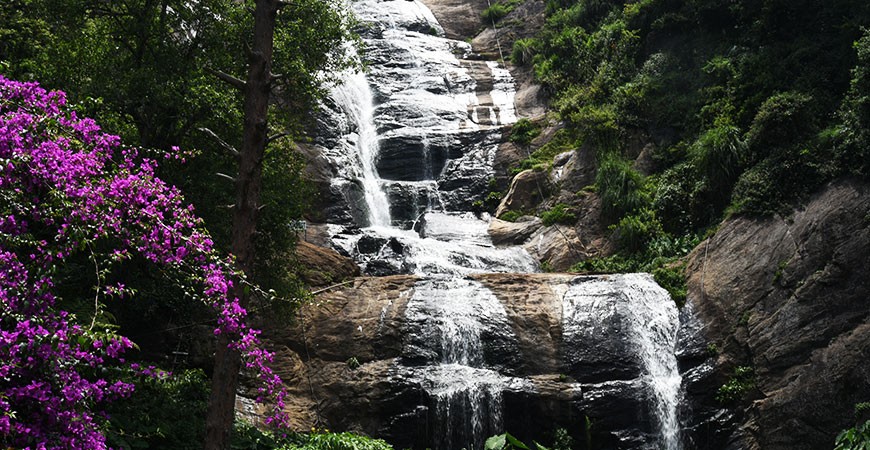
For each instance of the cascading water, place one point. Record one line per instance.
(653, 323)
(448, 316)
(425, 153)
(354, 96)
(649, 317)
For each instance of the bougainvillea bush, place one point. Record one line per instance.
(68, 190)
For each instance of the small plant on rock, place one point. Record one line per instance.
(558, 214)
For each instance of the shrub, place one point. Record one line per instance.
(782, 121)
(523, 51)
(248, 437)
(524, 131)
(855, 438)
(620, 187)
(635, 231)
(596, 125)
(497, 11)
(741, 381)
(718, 154)
(673, 279)
(510, 216)
(165, 411)
(558, 214)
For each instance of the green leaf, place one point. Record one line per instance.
(515, 442)
(495, 442)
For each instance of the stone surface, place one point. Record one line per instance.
(322, 266)
(351, 363)
(528, 189)
(503, 232)
(790, 297)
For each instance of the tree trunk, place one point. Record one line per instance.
(221, 407)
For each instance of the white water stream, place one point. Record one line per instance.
(355, 97)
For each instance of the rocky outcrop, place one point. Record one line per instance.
(322, 266)
(789, 298)
(503, 232)
(354, 359)
(528, 189)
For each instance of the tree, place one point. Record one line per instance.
(248, 184)
(70, 191)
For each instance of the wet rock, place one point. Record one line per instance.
(555, 377)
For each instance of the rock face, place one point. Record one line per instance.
(556, 351)
(528, 189)
(790, 298)
(323, 265)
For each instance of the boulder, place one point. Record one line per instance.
(503, 232)
(528, 189)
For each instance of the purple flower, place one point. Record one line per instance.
(63, 176)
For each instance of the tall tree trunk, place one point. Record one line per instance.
(221, 407)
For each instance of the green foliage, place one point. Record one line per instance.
(511, 216)
(543, 157)
(163, 412)
(782, 121)
(751, 106)
(498, 10)
(340, 441)
(634, 231)
(718, 155)
(352, 363)
(621, 188)
(562, 440)
(523, 131)
(558, 214)
(609, 264)
(248, 437)
(855, 438)
(672, 277)
(712, 350)
(741, 381)
(507, 442)
(523, 51)
(853, 150)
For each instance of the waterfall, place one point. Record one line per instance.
(425, 153)
(449, 317)
(653, 323)
(649, 318)
(355, 98)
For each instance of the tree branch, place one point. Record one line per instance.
(225, 176)
(277, 136)
(229, 79)
(220, 141)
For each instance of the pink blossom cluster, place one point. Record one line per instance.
(64, 188)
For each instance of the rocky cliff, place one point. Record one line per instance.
(788, 298)
(566, 354)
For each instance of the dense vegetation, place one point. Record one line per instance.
(751, 106)
(162, 75)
